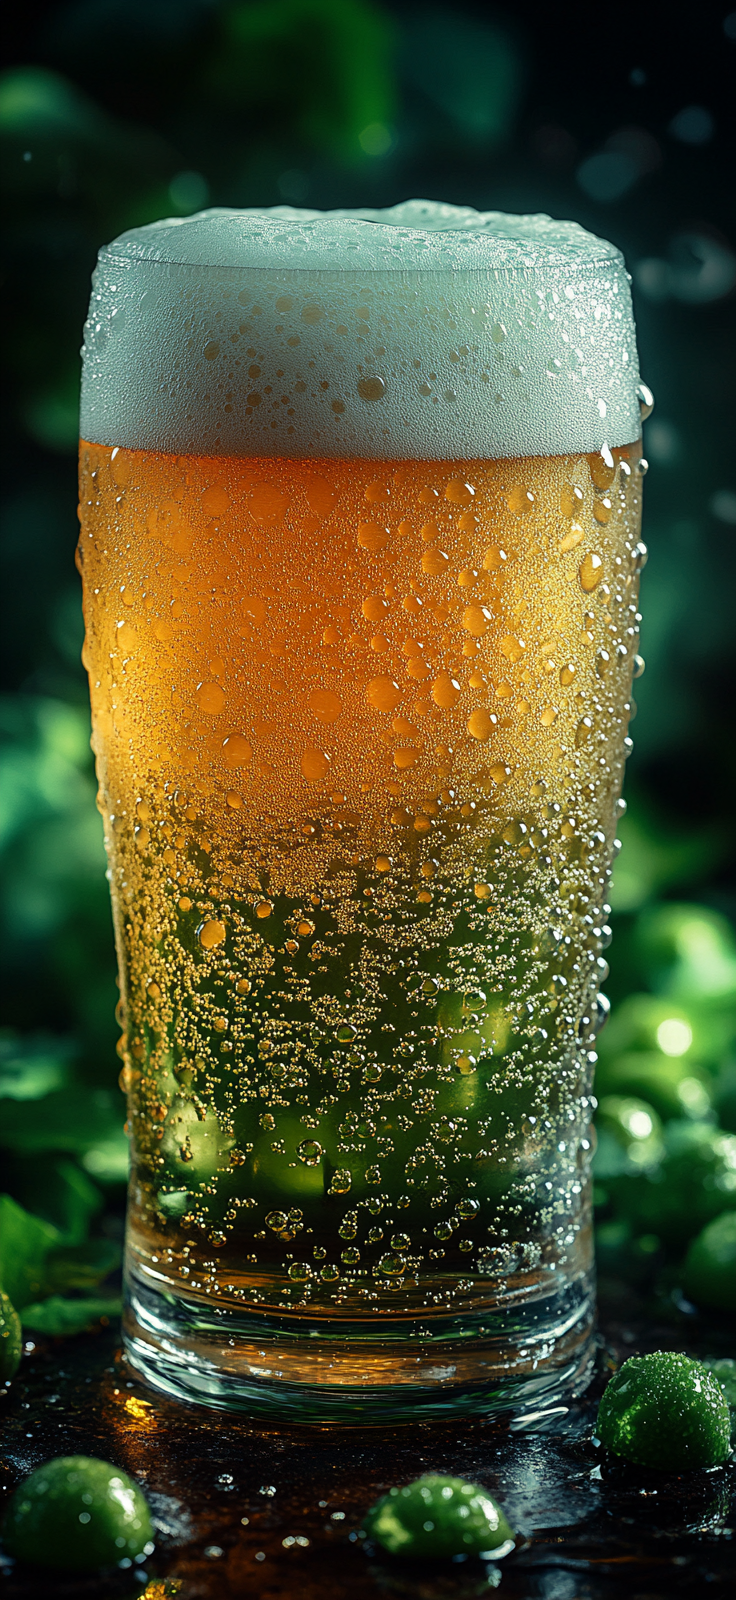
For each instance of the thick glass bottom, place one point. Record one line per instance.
(526, 1360)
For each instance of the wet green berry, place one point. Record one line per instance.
(665, 1410)
(11, 1339)
(77, 1513)
(694, 1183)
(438, 1516)
(709, 1274)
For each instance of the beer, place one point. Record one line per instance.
(360, 723)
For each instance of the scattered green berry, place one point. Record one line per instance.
(694, 1183)
(665, 1410)
(670, 1085)
(11, 1339)
(633, 1132)
(438, 1516)
(77, 1513)
(709, 1276)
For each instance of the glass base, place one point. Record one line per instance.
(527, 1360)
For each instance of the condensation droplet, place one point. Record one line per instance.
(210, 698)
(434, 562)
(236, 750)
(459, 493)
(520, 499)
(277, 1220)
(476, 620)
(481, 724)
(371, 388)
(310, 1152)
(446, 691)
(590, 571)
(646, 400)
(314, 765)
(383, 694)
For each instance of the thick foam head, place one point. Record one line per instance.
(426, 330)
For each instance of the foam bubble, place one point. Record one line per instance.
(425, 331)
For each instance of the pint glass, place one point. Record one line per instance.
(360, 501)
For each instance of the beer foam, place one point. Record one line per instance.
(424, 331)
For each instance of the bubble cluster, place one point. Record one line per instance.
(424, 330)
(360, 893)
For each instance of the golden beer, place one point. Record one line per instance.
(360, 725)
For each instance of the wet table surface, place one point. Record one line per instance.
(244, 1510)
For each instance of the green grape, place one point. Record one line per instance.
(79, 1514)
(665, 1410)
(644, 1022)
(692, 1185)
(439, 1516)
(709, 1276)
(629, 1136)
(673, 1086)
(11, 1338)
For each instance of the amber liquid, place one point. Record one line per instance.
(360, 733)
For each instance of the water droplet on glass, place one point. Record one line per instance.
(383, 694)
(590, 572)
(314, 765)
(236, 751)
(210, 698)
(481, 724)
(459, 492)
(446, 691)
(277, 1220)
(371, 388)
(520, 499)
(310, 1152)
(646, 400)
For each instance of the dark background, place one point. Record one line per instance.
(116, 112)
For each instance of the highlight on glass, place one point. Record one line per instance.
(360, 508)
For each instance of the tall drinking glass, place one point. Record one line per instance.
(360, 502)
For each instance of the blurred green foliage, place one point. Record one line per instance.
(116, 112)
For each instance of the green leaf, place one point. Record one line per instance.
(76, 1120)
(25, 1245)
(656, 857)
(60, 1317)
(82, 1267)
(36, 1261)
(31, 1068)
(56, 1189)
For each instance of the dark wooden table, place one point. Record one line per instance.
(241, 1510)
